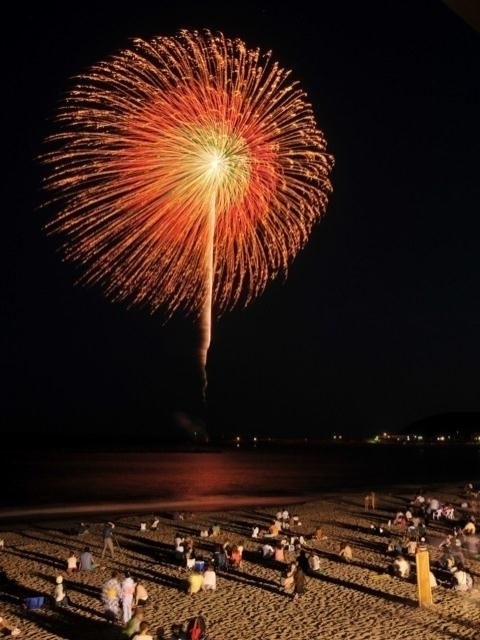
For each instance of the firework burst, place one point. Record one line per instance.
(185, 173)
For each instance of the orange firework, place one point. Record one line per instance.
(186, 172)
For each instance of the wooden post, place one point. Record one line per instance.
(422, 559)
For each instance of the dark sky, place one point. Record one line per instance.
(378, 323)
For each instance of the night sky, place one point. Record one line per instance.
(378, 322)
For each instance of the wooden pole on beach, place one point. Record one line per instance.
(422, 559)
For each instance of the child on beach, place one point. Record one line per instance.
(60, 597)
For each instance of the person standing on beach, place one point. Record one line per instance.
(111, 594)
(303, 562)
(370, 501)
(287, 579)
(128, 591)
(300, 582)
(108, 539)
(140, 597)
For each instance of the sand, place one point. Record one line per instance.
(354, 601)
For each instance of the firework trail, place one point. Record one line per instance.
(185, 173)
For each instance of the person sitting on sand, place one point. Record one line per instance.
(463, 580)
(274, 529)
(401, 567)
(346, 553)
(86, 560)
(82, 529)
(195, 582)
(314, 562)
(318, 534)
(178, 541)
(446, 542)
(400, 520)
(469, 528)
(209, 579)
(72, 563)
(279, 554)
(220, 558)
(235, 557)
(447, 561)
(59, 595)
(412, 546)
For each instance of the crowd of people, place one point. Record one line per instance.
(411, 528)
(281, 545)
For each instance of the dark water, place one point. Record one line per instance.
(87, 482)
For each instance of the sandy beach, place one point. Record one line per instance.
(354, 601)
